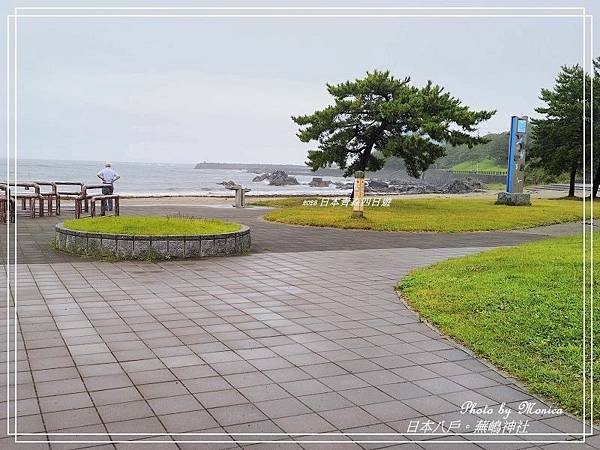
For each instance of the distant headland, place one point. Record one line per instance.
(293, 169)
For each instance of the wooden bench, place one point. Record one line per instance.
(82, 201)
(32, 199)
(103, 199)
(51, 198)
(7, 204)
(63, 193)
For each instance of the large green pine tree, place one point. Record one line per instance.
(557, 137)
(596, 131)
(380, 116)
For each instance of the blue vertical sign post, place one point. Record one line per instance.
(515, 179)
(516, 154)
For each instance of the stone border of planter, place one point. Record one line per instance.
(125, 246)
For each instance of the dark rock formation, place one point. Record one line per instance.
(262, 177)
(463, 186)
(319, 182)
(277, 178)
(229, 183)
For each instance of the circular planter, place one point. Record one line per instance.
(127, 246)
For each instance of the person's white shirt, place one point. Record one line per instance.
(108, 175)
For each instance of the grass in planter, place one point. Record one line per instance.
(151, 225)
(448, 215)
(521, 308)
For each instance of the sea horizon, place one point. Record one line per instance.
(143, 178)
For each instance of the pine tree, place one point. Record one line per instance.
(380, 116)
(596, 131)
(557, 137)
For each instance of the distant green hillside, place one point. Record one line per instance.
(485, 165)
(490, 156)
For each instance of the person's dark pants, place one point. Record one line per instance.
(108, 190)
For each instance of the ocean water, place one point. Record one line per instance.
(158, 178)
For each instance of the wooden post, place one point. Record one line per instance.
(359, 194)
(85, 199)
(32, 207)
(77, 208)
(116, 206)
(93, 208)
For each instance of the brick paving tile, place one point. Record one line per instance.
(402, 391)
(187, 421)
(365, 396)
(390, 411)
(237, 414)
(214, 399)
(282, 408)
(114, 396)
(152, 376)
(164, 389)
(264, 392)
(206, 384)
(247, 379)
(146, 425)
(103, 382)
(305, 387)
(125, 411)
(261, 426)
(302, 423)
(174, 404)
(349, 417)
(72, 418)
(430, 405)
(65, 402)
(439, 385)
(325, 401)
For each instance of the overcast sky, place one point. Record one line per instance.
(223, 89)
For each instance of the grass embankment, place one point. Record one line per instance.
(429, 214)
(485, 165)
(151, 225)
(521, 308)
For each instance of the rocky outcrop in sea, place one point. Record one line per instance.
(463, 186)
(277, 178)
(319, 182)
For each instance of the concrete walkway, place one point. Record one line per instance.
(291, 342)
(34, 235)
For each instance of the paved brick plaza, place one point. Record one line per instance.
(275, 342)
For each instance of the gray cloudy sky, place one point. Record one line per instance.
(223, 89)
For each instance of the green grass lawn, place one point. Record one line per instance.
(482, 166)
(429, 214)
(521, 308)
(496, 186)
(151, 225)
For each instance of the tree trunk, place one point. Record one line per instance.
(596, 181)
(572, 181)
